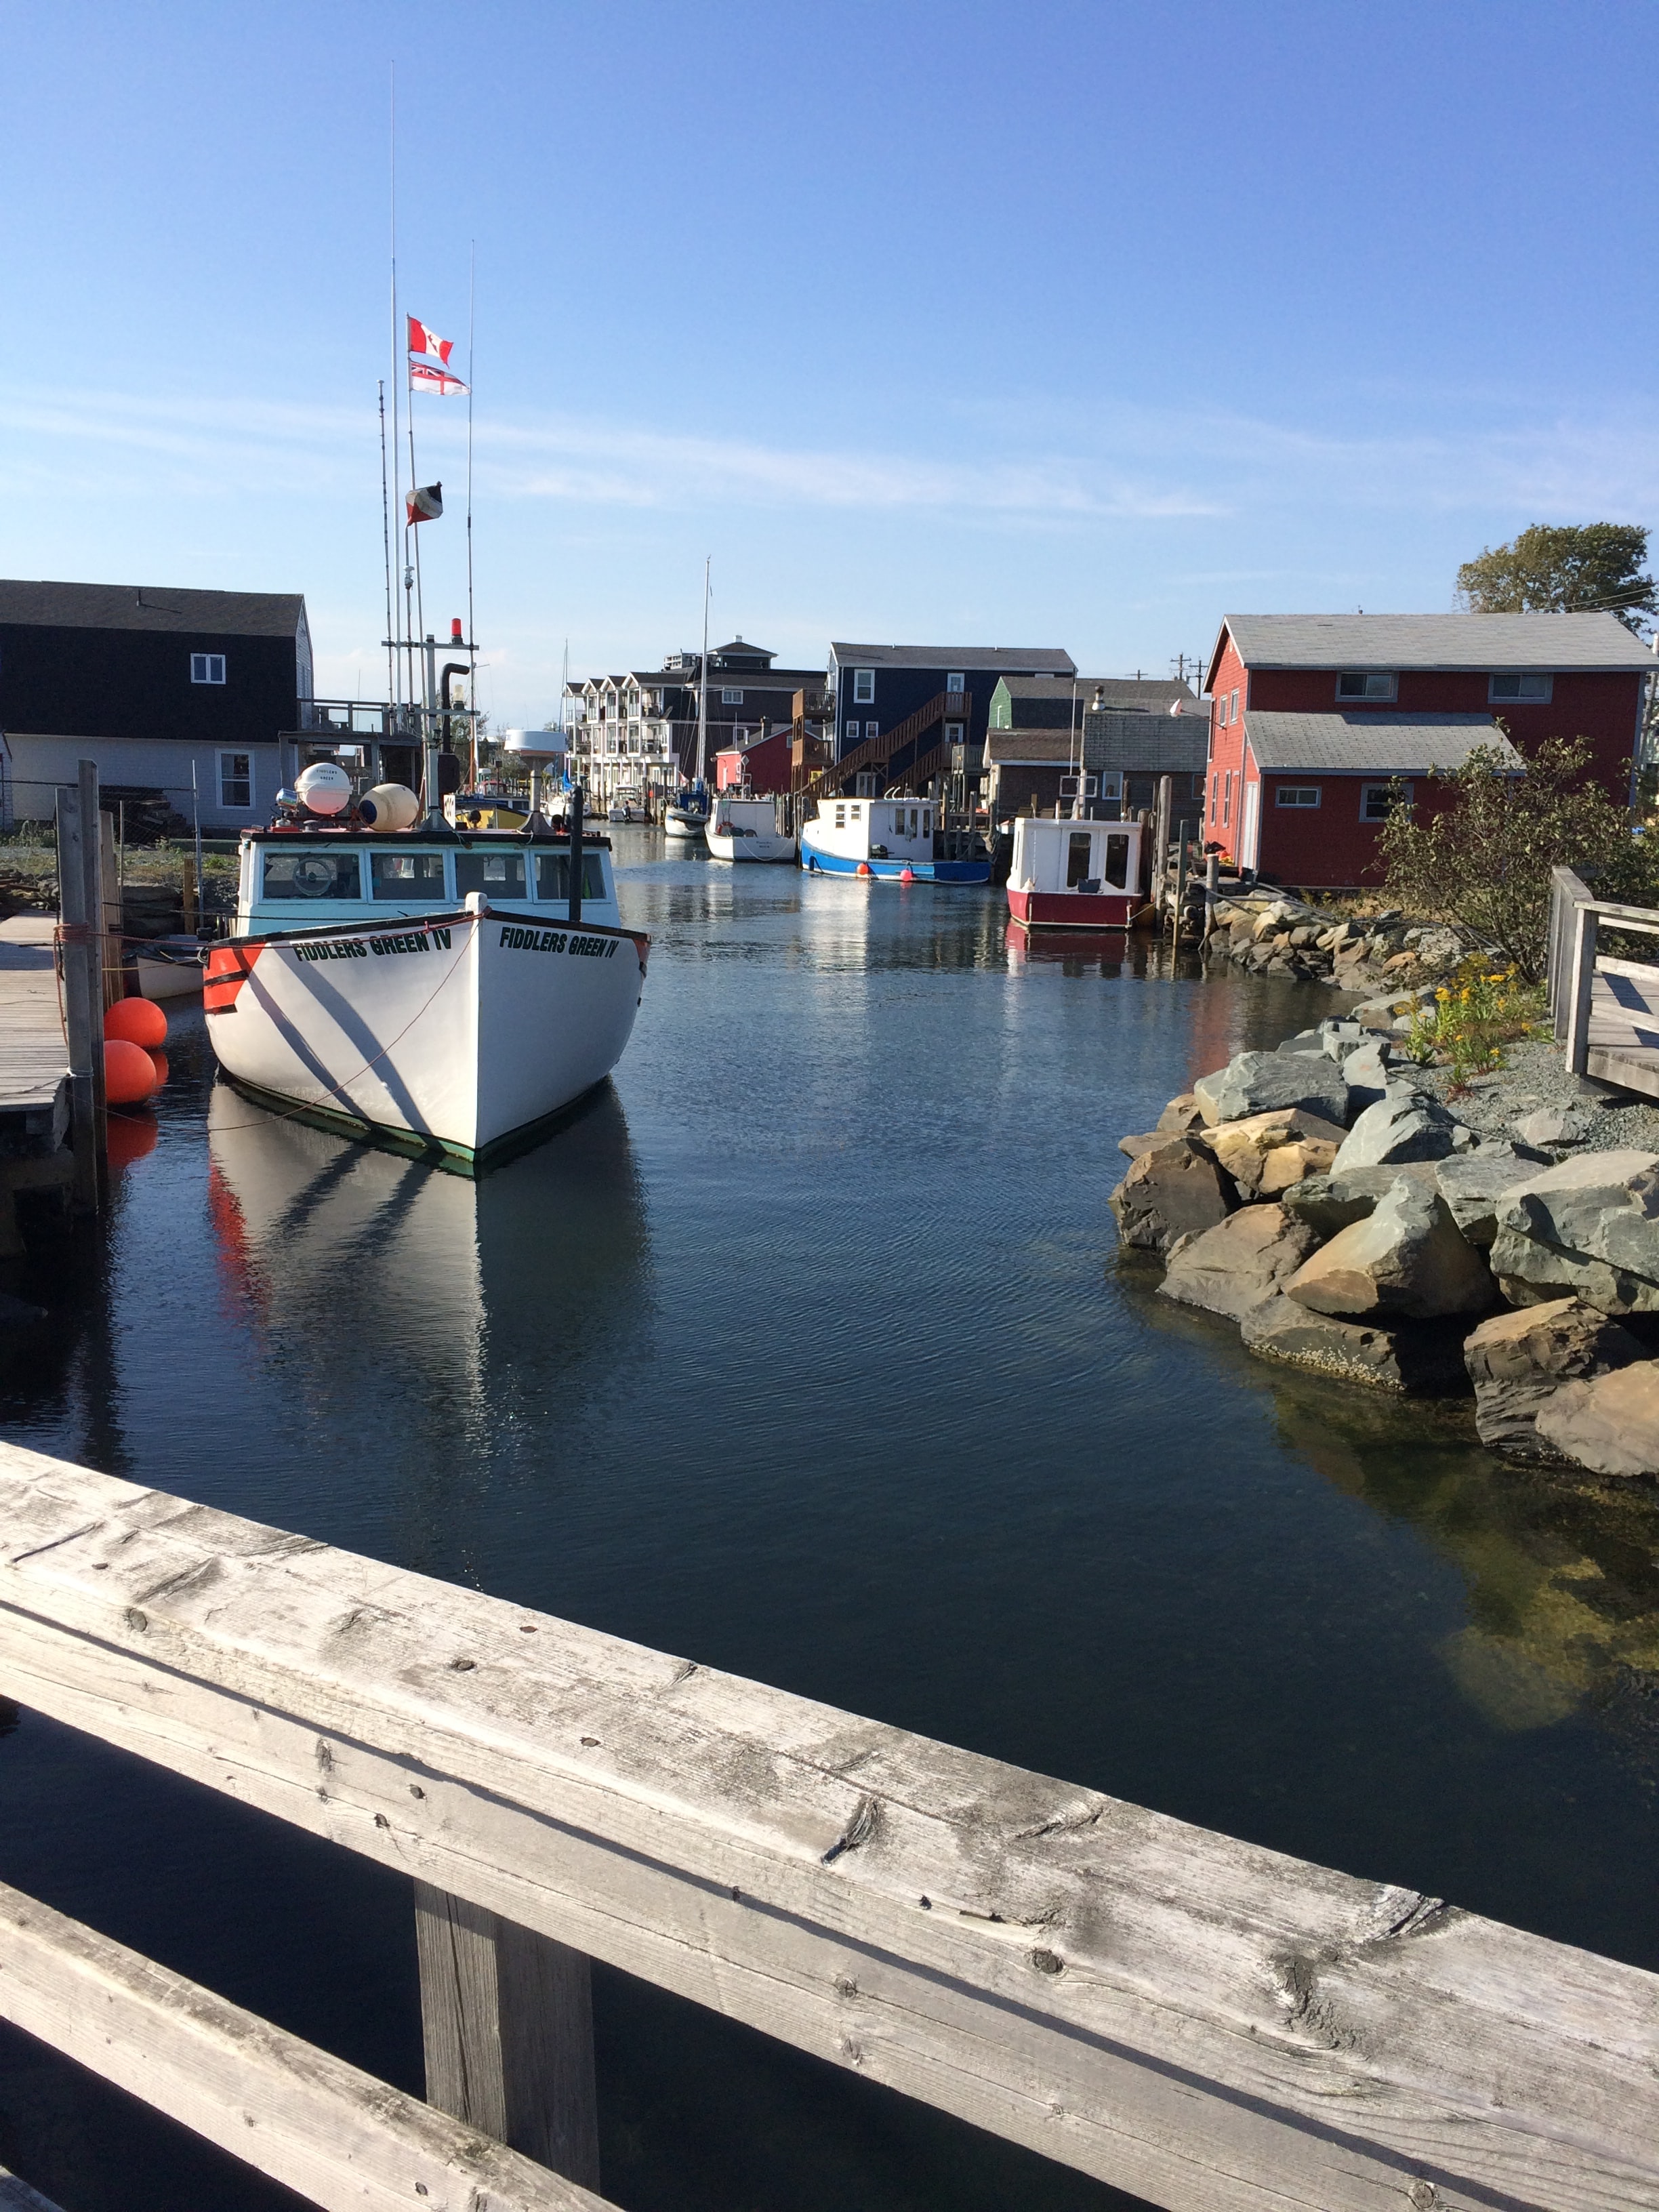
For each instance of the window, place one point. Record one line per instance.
(406, 875)
(1232, 706)
(311, 875)
(1299, 795)
(864, 687)
(1078, 848)
(1215, 799)
(857, 811)
(1378, 800)
(235, 779)
(956, 681)
(898, 821)
(871, 730)
(553, 878)
(1367, 683)
(1226, 799)
(498, 875)
(206, 668)
(926, 824)
(730, 698)
(840, 817)
(1529, 691)
(1117, 860)
(852, 733)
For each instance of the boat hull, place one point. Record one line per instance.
(759, 845)
(456, 1034)
(1074, 909)
(689, 827)
(922, 871)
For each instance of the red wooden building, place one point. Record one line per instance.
(1312, 716)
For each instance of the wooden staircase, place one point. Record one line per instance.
(896, 756)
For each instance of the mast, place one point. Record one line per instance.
(471, 634)
(386, 534)
(702, 677)
(397, 486)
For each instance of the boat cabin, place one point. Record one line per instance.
(307, 878)
(1074, 875)
(899, 829)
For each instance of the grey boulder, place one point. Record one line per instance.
(1266, 1082)
(1402, 1125)
(1587, 1228)
(1175, 1189)
(1473, 1183)
(1330, 1202)
(1610, 1423)
(1519, 1359)
(1406, 1257)
(1234, 1266)
(1406, 1357)
(1556, 1125)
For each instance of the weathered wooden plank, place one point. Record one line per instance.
(506, 2020)
(307, 2119)
(1207, 2024)
(16, 2196)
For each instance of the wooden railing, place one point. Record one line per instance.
(1193, 2019)
(879, 752)
(1576, 916)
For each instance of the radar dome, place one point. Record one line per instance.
(324, 788)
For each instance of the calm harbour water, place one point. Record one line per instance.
(807, 1353)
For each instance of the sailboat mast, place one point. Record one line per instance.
(703, 679)
(397, 485)
(386, 534)
(471, 634)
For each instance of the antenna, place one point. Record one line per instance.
(472, 633)
(702, 676)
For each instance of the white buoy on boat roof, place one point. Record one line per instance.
(389, 806)
(324, 788)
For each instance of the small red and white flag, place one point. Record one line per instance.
(423, 377)
(421, 339)
(426, 503)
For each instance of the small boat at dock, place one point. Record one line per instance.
(896, 840)
(742, 829)
(685, 818)
(1075, 875)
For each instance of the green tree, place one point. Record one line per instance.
(1482, 859)
(1564, 571)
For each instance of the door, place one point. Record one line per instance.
(1252, 832)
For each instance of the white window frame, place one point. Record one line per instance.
(956, 680)
(730, 696)
(1296, 795)
(1540, 696)
(864, 687)
(1232, 706)
(1375, 683)
(871, 730)
(206, 668)
(1365, 791)
(852, 735)
(236, 805)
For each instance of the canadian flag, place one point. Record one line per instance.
(423, 377)
(422, 340)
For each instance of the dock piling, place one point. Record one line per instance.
(81, 910)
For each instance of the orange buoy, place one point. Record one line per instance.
(128, 1072)
(139, 1021)
(864, 867)
(130, 1136)
(907, 875)
(158, 1061)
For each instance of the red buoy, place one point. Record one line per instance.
(158, 1061)
(907, 875)
(864, 867)
(128, 1072)
(140, 1021)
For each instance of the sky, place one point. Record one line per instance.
(1040, 323)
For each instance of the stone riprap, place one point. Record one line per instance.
(1404, 1125)
(1406, 1357)
(1270, 1082)
(1273, 934)
(1249, 1148)
(1408, 1257)
(1330, 1202)
(1472, 1184)
(1609, 1425)
(1556, 1125)
(1234, 1266)
(1589, 1228)
(1519, 1359)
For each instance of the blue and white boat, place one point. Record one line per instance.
(896, 839)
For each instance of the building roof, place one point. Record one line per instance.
(1371, 744)
(152, 606)
(1168, 745)
(1503, 642)
(1150, 695)
(1005, 660)
(740, 649)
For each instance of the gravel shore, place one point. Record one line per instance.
(1534, 1076)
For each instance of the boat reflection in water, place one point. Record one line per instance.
(424, 1325)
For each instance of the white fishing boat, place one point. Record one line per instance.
(629, 805)
(1068, 874)
(748, 829)
(442, 991)
(896, 840)
(685, 820)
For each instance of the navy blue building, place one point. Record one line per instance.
(879, 686)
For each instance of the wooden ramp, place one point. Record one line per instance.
(1624, 1026)
(35, 1098)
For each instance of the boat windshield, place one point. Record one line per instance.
(406, 875)
(553, 877)
(314, 875)
(498, 875)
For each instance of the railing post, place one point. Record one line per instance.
(507, 2019)
(80, 896)
(1582, 985)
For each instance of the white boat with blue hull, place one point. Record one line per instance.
(898, 840)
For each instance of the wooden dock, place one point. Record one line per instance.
(34, 1084)
(1213, 2026)
(1623, 1045)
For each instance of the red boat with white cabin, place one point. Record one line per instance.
(1075, 875)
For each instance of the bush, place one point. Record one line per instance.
(1482, 860)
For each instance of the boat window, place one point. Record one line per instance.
(840, 817)
(498, 875)
(898, 821)
(1078, 848)
(313, 875)
(406, 875)
(926, 825)
(553, 877)
(1117, 860)
(857, 810)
